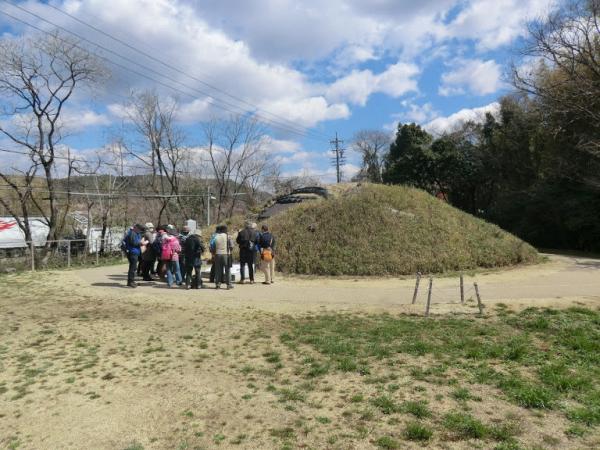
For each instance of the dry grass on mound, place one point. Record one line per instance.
(383, 230)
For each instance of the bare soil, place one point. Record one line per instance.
(87, 363)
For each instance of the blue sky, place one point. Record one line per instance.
(336, 66)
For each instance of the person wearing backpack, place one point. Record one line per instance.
(170, 250)
(193, 247)
(246, 240)
(131, 244)
(266, 244)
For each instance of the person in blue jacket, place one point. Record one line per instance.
(132, 241)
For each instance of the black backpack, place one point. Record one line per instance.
(245, 240)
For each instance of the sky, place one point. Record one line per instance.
(308, 68)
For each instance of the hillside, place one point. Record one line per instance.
(381, 230)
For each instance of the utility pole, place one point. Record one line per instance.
(338, 159)
(208, 198)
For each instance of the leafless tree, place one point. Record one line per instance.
(38, 76)
(239, 163)
(283, 185)
(162, 150)
(565, 75)
(371, 145)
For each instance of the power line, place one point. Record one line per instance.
(176, 69)
(128, 166)
(213, 100)
(116, 194)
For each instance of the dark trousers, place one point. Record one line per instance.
(133, 262)
(194, 265)
(147, 266)
(222, 265)
(246, 258)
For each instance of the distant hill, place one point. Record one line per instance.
(389, 230)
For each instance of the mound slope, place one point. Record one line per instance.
(389, 230)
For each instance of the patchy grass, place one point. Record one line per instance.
(538, 359)
(248, 379)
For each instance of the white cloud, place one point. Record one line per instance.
(280, 55)
(494, 23)
(418, 113)
(442, 125)
(76, 120)
(397, 80)
(473, 75)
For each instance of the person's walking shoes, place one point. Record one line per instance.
(132, 284)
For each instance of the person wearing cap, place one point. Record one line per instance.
(193, 247)
(133, 241)
(148, 254)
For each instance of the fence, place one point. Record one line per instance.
(59, 254)
(447, 295)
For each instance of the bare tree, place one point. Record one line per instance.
(236, 150)
(283, 185)
(38, 76)
(371, 145)
(566, 74)
(162, 150)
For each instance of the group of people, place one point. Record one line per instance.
(165, 252)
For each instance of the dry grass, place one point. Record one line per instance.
(384, 230)
(95, 370)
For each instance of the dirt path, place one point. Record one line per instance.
(563, 280)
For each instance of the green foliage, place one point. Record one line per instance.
(383, 230)
(386, 404)
(418, 409)
(408, 161)
(465, 426)
(387, 443)
(415, 431)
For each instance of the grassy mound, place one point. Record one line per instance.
(383, 230)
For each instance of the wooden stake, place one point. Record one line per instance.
(429, 297)
(68, 253)
(479, 304)
(32, 257)
(416, 288)
(462, 289)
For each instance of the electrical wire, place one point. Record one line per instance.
(107, 194)
(213, 100)
(176, 69)
(128, 166)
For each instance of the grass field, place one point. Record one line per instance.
(89, 370)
